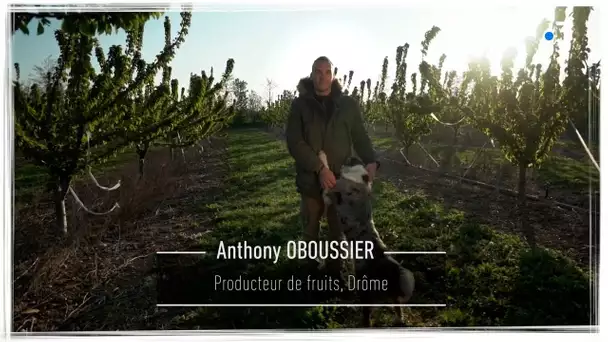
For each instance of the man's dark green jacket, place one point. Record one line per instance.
(309, 130)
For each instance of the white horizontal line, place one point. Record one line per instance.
(389, 253)
(417, 252)
(182, 252)
(342, 332)
(298, 305)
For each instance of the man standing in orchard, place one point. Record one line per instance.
(322, 118)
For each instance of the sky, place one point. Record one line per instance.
(281, 45)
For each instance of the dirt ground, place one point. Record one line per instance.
(560, 228)
(571, 191)
(87, 283)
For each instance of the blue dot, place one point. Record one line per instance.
(549, 35)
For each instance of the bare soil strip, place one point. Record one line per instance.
(559, 228)
(88, 283)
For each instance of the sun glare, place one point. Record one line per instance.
(298, 55)
(471, 34)
(490, 34)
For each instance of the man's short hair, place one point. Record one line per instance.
(321, 59)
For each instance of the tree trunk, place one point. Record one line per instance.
(406, 153)
(450, 153)
(526, 228)
(455, 138)
(59, 195)
(141, 153)
(141, 163)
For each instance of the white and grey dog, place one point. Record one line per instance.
(352, 200)
(355, 173)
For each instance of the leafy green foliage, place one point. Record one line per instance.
(247, 104)
(526, 112)
(494, 280)
(53, 124)
(275, 115)
(204, 111)
(91, 23)
(409, 111)
(376, 107)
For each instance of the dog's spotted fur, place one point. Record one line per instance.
(352, 198)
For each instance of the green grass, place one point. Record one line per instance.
(29, 178)
(486, 278)
(569, 173)
(385, 143)
(556, 171)
(576, 145)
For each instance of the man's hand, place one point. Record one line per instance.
(327, 178)
(371, 170)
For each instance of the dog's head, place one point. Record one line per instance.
(355, 171)
(352, 194)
